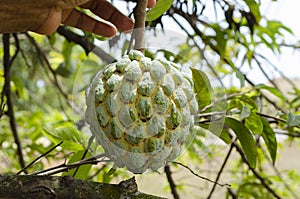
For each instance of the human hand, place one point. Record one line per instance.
(75, 18)
(45, 16)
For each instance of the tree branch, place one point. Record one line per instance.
(278, 173)
(66, 167)
(257, 175)
(44, 60)
(220, 172)
(86, 44)
(58, 187)
(171, 182)
(38, 158)
(7, 62)
(139, 26)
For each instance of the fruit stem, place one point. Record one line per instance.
(139, 26)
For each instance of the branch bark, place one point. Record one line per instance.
(139, 25)
(7, 63)
(58, 187)
(220, 172)
(257, 175)
(86, 44)
(171, 182)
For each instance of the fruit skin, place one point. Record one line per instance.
(141, 111)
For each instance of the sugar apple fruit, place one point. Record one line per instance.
(141, 111)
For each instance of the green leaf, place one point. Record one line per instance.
(276, 26)
(202, 88)
(67, 48)
(249, 101)
(65, 69)
(112, 171)
(254, 8)
(246, 139)
(159, 9)
(270, 139)
(220, 38)
(254, 123)
(235, 104)
(293, 120)
(52, 38)
(238, 73)
(273, 90)
(83, 171)
(18, 85)
(225, 136)
(217, 128)
(246, 111)
(68, 134)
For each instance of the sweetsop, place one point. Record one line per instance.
(141, 111)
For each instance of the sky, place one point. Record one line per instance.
(286, 11)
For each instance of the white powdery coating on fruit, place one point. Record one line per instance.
(168, 85)
(146, 85)
(157, 71)
(128, 91)
(141, 111)
(112, 103)
(100, 91)
(133, 71)
(113, 82)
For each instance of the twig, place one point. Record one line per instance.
(279, 174)
(65, 167)
(220, 172)
(266, 97)
(282, 75)
(171, 182)
(232, 194)
(210, 114)
(45, 60)
(272, 117)
(222, 99)
(43, 155)
(85, 152)
(199, 48)
(295, 46)
(2, 104)
(139, 25)
(7, 62)
(97, 172)
(293, 135)
(275, 118)
(85, 43)
(2, 107)
(266, 75)
(201, 177)
(257, 175)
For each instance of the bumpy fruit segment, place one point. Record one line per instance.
(141, 110)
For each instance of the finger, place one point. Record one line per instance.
(107, 11)
(51, 23)
(84, 22)
(151, 3)
(70, 4)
